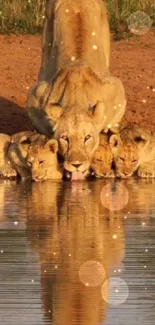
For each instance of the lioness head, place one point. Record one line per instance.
(77, 132)
(128, 154)
(102, 160)
(41, 157)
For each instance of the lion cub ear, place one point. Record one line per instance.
(114, 142)
(140, 139)
(52, 145)
(24, 140)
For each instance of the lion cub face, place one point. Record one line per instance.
(35, 157)
(127, 154)
(103, 159)
(42, 159)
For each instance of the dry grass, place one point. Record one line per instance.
(21, 15)
(120, 11)
(26, 16)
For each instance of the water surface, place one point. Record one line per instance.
(61, 245)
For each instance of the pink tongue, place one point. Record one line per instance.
(77, 176)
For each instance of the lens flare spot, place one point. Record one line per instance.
(115, 291)
(92, 273)
(139, 23)
(114, 196)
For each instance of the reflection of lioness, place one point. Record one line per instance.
(75, 96)
(30, 155)
(64, 246)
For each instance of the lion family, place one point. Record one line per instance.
(32, 155)
(74, 102)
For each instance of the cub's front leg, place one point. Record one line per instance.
(17, 154)
(6, 168)
(147, 170)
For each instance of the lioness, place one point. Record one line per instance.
(75, 96)
(134, 150)
(30, 155)
(102, 160)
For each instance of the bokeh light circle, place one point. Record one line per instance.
(92, 273)
(139, 23)
(114, 196)
(115, 291)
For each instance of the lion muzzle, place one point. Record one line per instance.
(76, 161)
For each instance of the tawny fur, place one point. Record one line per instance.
(74, 77)
(134, 151)
(29, 155)
(102, 159)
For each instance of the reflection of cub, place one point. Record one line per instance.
(30, 155)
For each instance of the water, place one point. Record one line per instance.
(61, 245)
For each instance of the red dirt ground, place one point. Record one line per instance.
(132, 60)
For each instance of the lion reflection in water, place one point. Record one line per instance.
(68, 227)
(67, 233)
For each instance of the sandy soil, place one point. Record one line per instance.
(132, 60)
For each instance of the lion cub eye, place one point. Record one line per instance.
(29, 163)
(41, 162)
(65, 138)
(122, 159)
(87, 137)
(134, 161)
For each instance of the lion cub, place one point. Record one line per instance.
(102, 160)
(30, 155)
(6, 169)
(134, 150)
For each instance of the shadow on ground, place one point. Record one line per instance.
(13, 118)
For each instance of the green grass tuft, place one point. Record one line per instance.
(27, 16)
(21, 16)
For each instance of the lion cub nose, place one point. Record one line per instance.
(76, 165)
